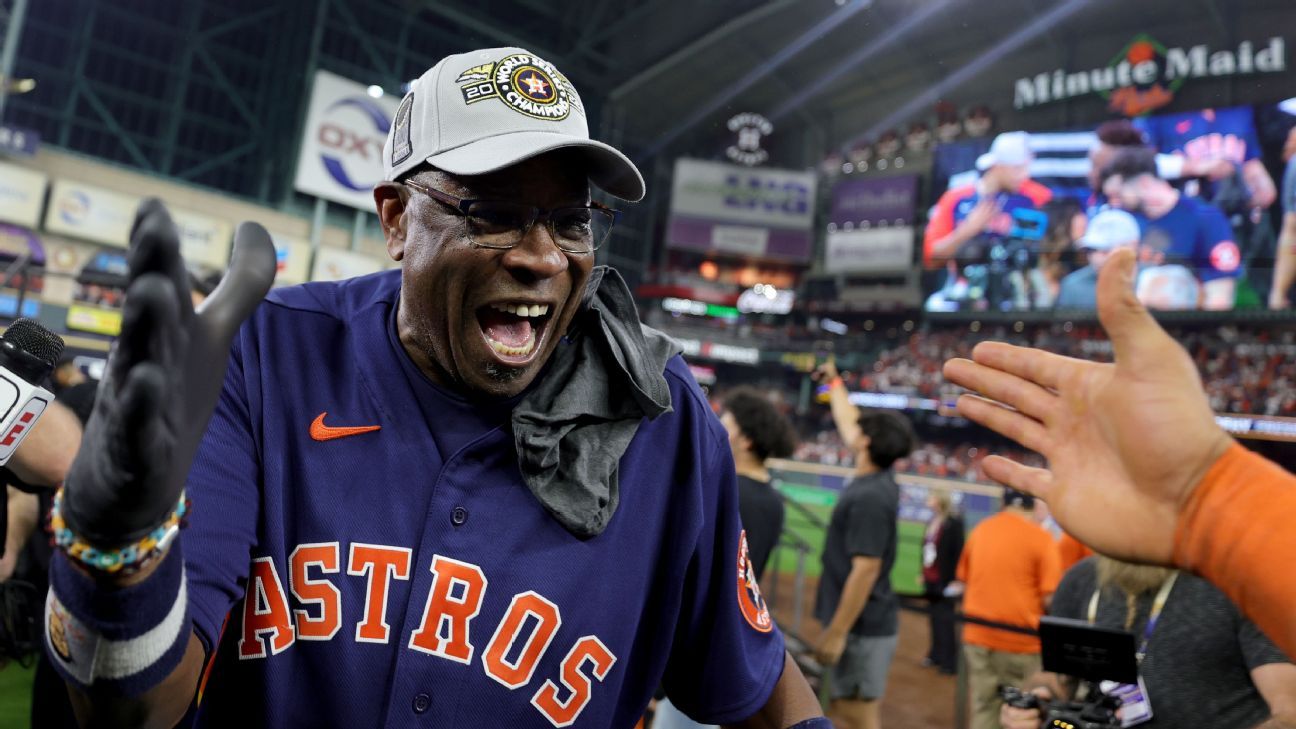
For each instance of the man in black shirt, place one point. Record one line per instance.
(757, 432)
(855, 602)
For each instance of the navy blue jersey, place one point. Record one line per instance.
(1204, 136)
(363, 551)
(1194, 234)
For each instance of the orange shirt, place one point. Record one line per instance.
(1009, 565)
(1236, 531)
(1072, 550)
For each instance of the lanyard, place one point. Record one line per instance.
(1157, 606)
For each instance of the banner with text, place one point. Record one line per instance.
(340, 158)
(22, 192)
(870, 224)
(721, 208)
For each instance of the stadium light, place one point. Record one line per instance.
(375, 91)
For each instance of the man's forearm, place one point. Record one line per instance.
(1276, 722)
(789, 703)
(945, 248)
(1285, 265)
(855, 594)
(1219, 295)
(845, 414)
(46, 453)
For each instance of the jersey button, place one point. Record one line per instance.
(458, 516)
(421, 703)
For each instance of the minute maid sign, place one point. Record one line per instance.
(1146, 74)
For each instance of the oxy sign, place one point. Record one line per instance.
(340, 158)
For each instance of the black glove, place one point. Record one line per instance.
(163, 377)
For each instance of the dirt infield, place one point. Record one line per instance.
(916, 697)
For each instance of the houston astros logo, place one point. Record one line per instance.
(528, 84)
(57, 631)
(750, 601)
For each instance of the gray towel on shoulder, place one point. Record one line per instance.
(572, 428)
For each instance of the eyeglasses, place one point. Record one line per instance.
(502, 224)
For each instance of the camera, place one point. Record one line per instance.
(1097, 713)
(1090, 654)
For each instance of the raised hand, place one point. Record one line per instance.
(163, 377)
(1126, 442)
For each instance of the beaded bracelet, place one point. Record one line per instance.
(127, 559)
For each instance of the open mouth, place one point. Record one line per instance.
(514, 330)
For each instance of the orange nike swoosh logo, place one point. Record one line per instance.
(321, 432)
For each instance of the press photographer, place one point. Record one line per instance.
(1200, 663)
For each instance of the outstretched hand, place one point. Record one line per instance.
(1126, 442)
(161, 383)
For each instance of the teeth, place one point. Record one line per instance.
(526, 310)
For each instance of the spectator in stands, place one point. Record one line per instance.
(1234, 677)
(942, 547)
(1009, 570)
(1108, 231)
(1285, 265)
(855, 602)
(1177, 229)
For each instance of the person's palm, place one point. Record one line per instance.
(1126, 442)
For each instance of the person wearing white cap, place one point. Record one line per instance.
(983, 212)
(1107, 231)
(473, 491)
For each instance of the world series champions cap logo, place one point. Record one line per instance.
(525, 83)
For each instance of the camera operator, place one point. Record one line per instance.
(1200, 662)
(967, 221)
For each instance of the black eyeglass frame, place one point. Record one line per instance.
(462, 206)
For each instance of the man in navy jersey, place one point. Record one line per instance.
(1216, 145)
(1177, 229)
(471, 492)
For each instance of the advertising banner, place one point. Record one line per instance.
(22, 191)
(873, 249)
(763, 213)
(335, 264)
(292, 260)
(90, 213)
(204, 241)
(340, 158)
(874, 201)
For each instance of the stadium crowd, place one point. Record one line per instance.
(1246, 368)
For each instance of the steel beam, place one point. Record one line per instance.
(13, 34)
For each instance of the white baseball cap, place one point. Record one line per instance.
(1009, 148)
(1110, 229)
(482, 111)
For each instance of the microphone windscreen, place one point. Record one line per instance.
(34, 339)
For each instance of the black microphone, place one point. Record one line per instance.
(28, 352)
